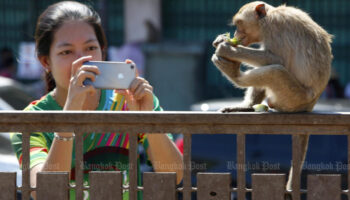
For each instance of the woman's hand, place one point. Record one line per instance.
(77, 91)
(139, 97)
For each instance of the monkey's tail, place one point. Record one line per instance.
(236, 109)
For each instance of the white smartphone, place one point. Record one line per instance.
(113, 75)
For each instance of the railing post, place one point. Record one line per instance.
(159, 186)
(268, 186)
(133, 166)
(52, 186)
(241, 166)
(324, 187)
(187, 184)
(296, 164)
(79, 167)
(214, 186)
(106, 185)
(25, 166)
(8, 185)
(348, 166)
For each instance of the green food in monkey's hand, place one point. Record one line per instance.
(233, 41)
(260, 108)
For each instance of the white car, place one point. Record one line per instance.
(8, 160)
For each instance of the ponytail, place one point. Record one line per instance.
(50, 82)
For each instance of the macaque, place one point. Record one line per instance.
(291, 68)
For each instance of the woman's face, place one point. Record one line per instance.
(74, 39)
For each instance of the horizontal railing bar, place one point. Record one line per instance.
(184, 118)
(177, 128)
(176, 122)
(84, 188)
(21, 188)
(180, 189)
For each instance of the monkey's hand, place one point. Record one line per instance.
(231, 69)
(227, 51)
(220, 39)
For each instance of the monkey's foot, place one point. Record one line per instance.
(236, 109)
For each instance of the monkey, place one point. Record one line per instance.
(291, 68)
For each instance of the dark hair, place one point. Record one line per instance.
(53, 18)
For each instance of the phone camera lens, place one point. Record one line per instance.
(132, 66)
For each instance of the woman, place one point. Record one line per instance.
(67, 35)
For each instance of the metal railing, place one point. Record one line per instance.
(108, 185)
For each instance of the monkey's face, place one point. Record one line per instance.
(246, 33)
(247, 22)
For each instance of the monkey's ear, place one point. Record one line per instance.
(260, 11)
